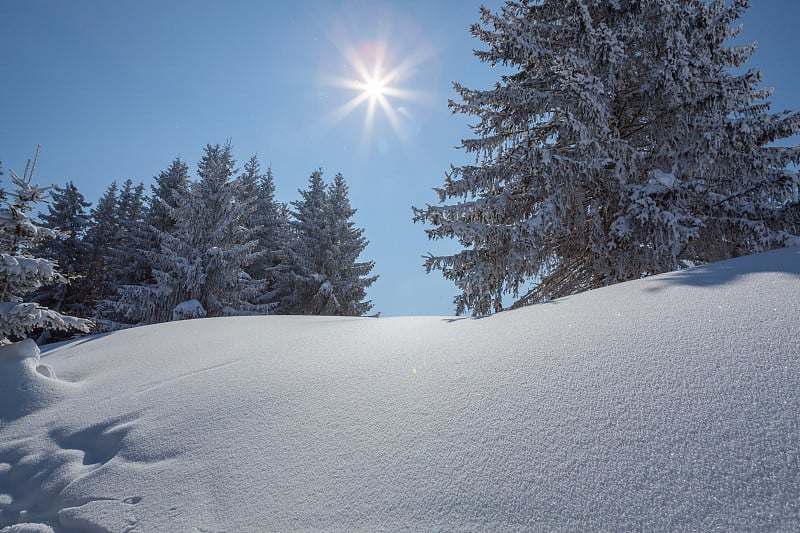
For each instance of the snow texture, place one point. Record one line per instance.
(665, 404)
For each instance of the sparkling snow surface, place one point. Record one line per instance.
(670, 403)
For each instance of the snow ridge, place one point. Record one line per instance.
(665, 404)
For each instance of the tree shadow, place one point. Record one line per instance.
(50, 349)
(785, 260)
(451, 320)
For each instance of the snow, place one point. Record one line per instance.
(26, 267)
(668, 403)
(188, 309)
(664, 178)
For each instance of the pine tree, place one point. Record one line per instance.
(249, 180)
(139, 299)
(118, 239)
(100, 239)
(20, 272)
(67, 214)
(269, 220)
(171, 184)
(349, 278)
(311, 225)
(205, 256)
(321, 274)
(132, 238)
(623, 143)
(302, 287)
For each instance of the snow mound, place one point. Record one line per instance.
(667, 404)
(99, 517)
(27, 528)
(26, 384)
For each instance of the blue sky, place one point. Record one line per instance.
(117, 89)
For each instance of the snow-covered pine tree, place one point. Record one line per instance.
(302, 287)
(326, 278)
(127, 254)
(20, 272)
(115, 238)
(269, 220)
(349, 277)
(248, 179)
(100, 237)
(311, 225)
(133, 238)
(170, 185)
(140, 300)
(66, 213)
(205, 256)
(625, 141)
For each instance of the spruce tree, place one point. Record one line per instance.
(625, 141)
(205, 256)
(269, 220)
(139, 299)
(100, 238)
(323, 276)
(349, 277)
(310, 223)
(66, 213)
(302, 287)
(21, 273)
(132, 238)
(170, 185)
(249, 179)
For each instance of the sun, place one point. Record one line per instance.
(374, 88)
(375, 82)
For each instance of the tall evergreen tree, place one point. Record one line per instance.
(625, 142)
(310, 223)
(170, 185)
(100, 238)
(21, 273)
(204, 258)
(303, 288)
(269, 220)
(349, 277)
(67, 214)
(116, 238)
(323, 276)
(138, 299)
(249, 180)
(132, 237)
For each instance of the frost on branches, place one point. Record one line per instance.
(624, 142)
(324, 275)
(223, 245)
(20, 272)
(204, 255)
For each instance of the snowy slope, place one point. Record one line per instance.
(669, 403)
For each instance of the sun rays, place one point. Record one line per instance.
(376, 82)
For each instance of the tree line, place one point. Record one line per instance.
(219, 245)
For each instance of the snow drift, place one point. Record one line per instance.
(669, 403)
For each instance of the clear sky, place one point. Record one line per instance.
(117, 89)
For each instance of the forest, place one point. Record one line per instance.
(219, 245)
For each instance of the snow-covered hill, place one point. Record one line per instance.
(669, 403)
